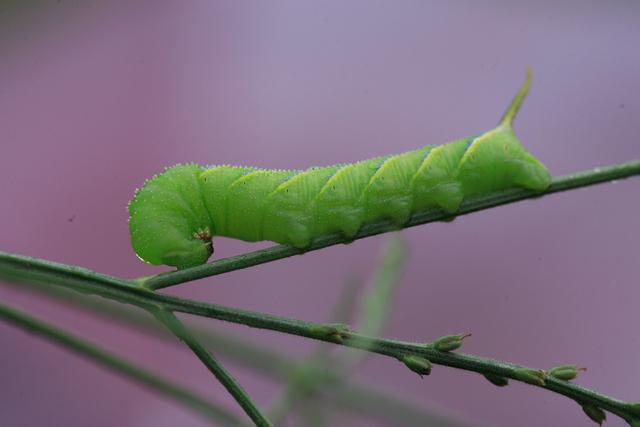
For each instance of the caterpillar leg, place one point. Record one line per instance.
(350, 226)
(299, 235)
(189, 254)
(400, 212)
(532, 174)
(448, 196)
(288, 226)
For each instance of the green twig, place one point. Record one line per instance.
(168, 319)
(119, 365)
(563, 183)
(361, 400)
(337, 334)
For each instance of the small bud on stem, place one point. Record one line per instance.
(335, 331)
(449, 342)
(565, 372)
(596, 414)
(497, 380)
(530, 376)
(417, 364)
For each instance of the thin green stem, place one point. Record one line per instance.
(365, 401)
(168, 319)
(398, 349)
(119, 365)
(563, 183)
(332, 333)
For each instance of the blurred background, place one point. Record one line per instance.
(97, 96)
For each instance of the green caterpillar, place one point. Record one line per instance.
(176, 213)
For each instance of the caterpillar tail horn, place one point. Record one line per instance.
(512, 111)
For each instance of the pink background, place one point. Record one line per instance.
(97, 96)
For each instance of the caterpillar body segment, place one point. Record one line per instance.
(169, 221)
(175, 214)
(293, 205)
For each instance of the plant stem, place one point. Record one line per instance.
(563, 183)
(364, 401)
(16, 265)
(119, 365)
(397, 349)
(168, 319)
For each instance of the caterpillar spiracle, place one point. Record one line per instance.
(174, 216)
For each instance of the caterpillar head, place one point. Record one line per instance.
(168, 222)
